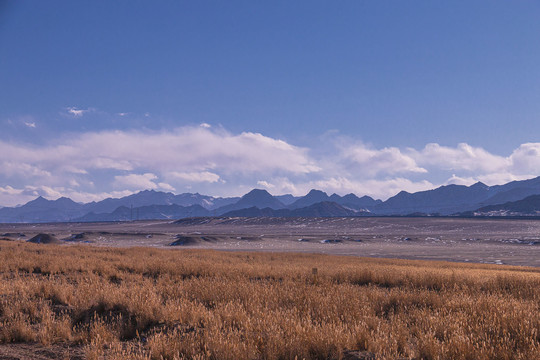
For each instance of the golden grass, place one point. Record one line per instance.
(145, 303)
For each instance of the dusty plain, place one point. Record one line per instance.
(491, 241)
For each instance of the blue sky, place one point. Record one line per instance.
(103, 98)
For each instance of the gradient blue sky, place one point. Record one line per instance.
(103, 98)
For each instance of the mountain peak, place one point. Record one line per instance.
(315, 192)
(479, 185)
(352, 197)
(313, 197)
(258, 198)
(147, 191)
(39, 200)
(64, 200)
(257, 193)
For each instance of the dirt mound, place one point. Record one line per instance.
(17, 235)
(80, 237)
(185, 240)
(209, 238)
(191, 240)
(44, 239)
(195, 220)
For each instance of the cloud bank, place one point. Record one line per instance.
(94, 165)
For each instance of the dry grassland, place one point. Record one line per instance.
(146, 303)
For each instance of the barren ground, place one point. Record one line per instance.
(495, 241)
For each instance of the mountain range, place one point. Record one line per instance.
(516, 197)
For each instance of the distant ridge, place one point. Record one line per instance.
(149, 212)
(444, 200)
(512, 197)
(455, 199)
(351, 200)
(255, 198)
(320, 209)
(313, 197)
(530, 206)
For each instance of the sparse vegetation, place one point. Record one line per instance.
(197, 304)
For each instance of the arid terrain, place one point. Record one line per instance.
(120, 290)
(493, 241)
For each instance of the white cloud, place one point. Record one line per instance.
(377, 188)
(479, 164)
(45, 191)
(136, 181)
(458, 180)
(165, 186)
(193, 149)
(463, 157)
(388, 160)
(75, 112)
(88, 197)
(217, 162)
(8, 190)
(10, 196)
(205, 125)
(283, 185)
(526, 159)
(265, 184)
(72, 169)
(30, 124)
(204, 155)
(14, 168)
(202, 176)
(141, 182)
(104, 162)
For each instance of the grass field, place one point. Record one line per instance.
(148, 303)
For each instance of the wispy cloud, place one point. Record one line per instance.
(76, 112)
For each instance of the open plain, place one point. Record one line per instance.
(492, 241)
